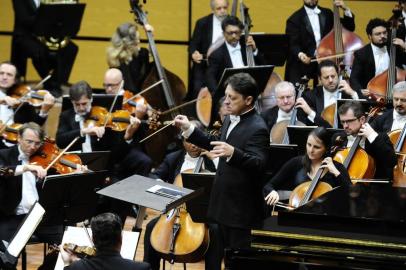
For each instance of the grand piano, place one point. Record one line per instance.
(360, 227)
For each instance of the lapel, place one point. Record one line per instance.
(307, 23)
(210, 30)
(244, 54)
(370, 57)
(228, 62)
(322, 21)
(319, 99)
(32, 5)
(225, 128)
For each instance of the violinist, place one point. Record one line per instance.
(9, 78)
(235, 202)
(107, 239)
(394, 118)
(285, 95)
(377, 145)
(306, 27)
(302, 168)
(314, 102)
(207, 32)
(174, 164)
(126, 54)
(19, 191)
(373, 58)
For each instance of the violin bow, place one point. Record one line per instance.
(183, 105)
(61, 153)
(159, 130)
(113, 103)
(143, 91)
(331, 56)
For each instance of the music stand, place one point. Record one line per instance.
(95, 161)
(274, 47)
(138, 190)
(59, 21)
(103, 100)
(69, 199)
(283, 152)
(298, 135)
(197, 207)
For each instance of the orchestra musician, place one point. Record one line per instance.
(107, 238)
(18, 192)
(314, 102)
(173, 164)
(303, 168)
(285, 94)
(394, 118)
(377, 145)
(26, 45)
(235, 202)
(373, 58)
(126, 54)
(306, 27)
(207, 32)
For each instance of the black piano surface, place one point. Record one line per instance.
(361, 227)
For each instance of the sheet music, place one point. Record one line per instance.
(78, 236)
(28, 227)
(165, 191)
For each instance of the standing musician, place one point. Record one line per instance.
(377, 145)
(207, 32)
(173, 164)
(18, 192)
(126, 54)
(107, 239)
(394, 118)
(285, 95)
(314, 102)
(26, 45)
(306, 27)
(303, 168)
(373, 58)
(235, 202)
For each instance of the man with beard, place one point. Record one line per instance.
(373, 58)
(314, 102)
(306, 27)
(395, 118)
(207, 32)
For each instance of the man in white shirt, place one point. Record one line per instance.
(373, 58)
(332, 88)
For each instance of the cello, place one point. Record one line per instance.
(176, 237)
(381, 85)
(172, 93)
(338, 41)
(398, 137)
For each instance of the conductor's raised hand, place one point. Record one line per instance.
(182, 122)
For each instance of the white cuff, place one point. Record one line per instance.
(311, 116)
(348, 13)
(19, 170)
(186, 134)
(371, 138)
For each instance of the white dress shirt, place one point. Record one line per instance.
(235, 55)
(29, 190)
(217, 30)
(6, 113)
(313, 15)
(398, 120)
(381, 58)
(87, 145)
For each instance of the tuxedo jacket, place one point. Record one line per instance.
(172, 164)
(270, 116)
(384, 122)
(202, 35)
(236, 199)
(381, 150)
(363, 67)
(10, 185)
(301, 39)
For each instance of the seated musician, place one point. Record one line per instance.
(285, 95)
(107, 239)
(174, 164)
(394, 118)
(303, 168)
(314, 102)
(377, 145)
(126, 54)
(373, 58)
(18, 192)
(9, 79)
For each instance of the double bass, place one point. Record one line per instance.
(172, 92)
(398, 137)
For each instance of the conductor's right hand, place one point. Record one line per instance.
(272, 198)
(182, 122)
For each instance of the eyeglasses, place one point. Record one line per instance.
(230, 33)
(285, 97)
(107, 85)
(343, 122)
(31, 142)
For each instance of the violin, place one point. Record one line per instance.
(79, 251)
(23, 93)
(10, 132)
(46, 155)
(398, 137)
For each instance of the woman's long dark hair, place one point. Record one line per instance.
(321, 134)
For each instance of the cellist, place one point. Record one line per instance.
(373, 58)
(377, 145)
(306, 27)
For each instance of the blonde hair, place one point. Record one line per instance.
(124, 45)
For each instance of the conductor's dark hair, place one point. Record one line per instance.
(321, 134)
(326, 63)
(231, 20)
(375, 23)
(244, 84)
(79, 89)
(355, 106)
(106, 231)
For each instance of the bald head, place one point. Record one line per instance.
(112, 80)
